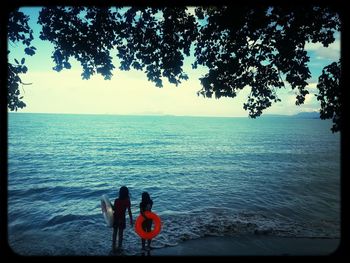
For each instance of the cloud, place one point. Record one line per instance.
(312, 88)
(332, 52)
(288, 97)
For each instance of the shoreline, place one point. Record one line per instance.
(240, 245)
(251, 246)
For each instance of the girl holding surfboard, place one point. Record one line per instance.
(120, 205)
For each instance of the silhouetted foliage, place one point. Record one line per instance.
(18, 31)
(143, 41)
(254, 47)
(259, 47)
(330, 95)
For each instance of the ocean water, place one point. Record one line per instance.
(206, 176)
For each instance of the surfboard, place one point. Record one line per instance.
(107, 210)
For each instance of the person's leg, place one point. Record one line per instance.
(144, 228)
(149, 228)
(115, 231)
(120, 240)
(143, 241)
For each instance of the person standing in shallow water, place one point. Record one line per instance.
(146, 205)
(120, 205)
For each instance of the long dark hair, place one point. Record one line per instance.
(124, 193)
(146, 199)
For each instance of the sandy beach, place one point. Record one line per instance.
(251, 246)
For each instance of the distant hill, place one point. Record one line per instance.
(275, 115)
(307, 115)
(301, 115)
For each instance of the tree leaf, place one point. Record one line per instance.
(29, 51)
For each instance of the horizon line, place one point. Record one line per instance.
(161, 115)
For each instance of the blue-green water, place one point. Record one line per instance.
(206, 176)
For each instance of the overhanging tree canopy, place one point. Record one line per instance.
(259, 47)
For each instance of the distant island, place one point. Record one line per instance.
(301, 115)
(307, 115)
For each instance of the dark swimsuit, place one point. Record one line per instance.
(120, 207)
(147, 224)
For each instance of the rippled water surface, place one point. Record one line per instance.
(206, 176)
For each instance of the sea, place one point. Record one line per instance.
(207, 176)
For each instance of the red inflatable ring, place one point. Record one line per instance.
(157, 225)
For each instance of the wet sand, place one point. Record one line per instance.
(251, 246)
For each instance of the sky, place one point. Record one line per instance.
(130, 93)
